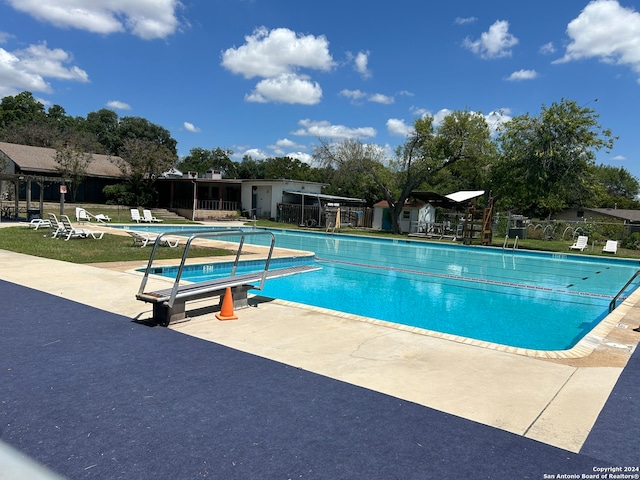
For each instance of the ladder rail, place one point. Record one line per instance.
(612, 304)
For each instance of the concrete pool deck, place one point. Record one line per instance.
(555, 401)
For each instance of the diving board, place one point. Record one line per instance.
(169, 305)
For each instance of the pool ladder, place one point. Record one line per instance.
(612, 305)
(505, 245)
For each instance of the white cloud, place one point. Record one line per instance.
(605, 30)
(283, 144)
(276, 56)
(147, 19)
(495, 43)
(353, 94)
(303, 157)
(547, 48)
(398, 127)
(27, 69)
(464, 20)
(255, 153)
(360, 64)
(190, 127)
(118, 105)
(287, 88)
(522, 75)
(380, 98)
(325, 129)
(497, 118)
(280, 51)
(4, 36)
(286, 143)
(619, 158)
(356, 95)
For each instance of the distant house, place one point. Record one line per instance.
(629, 218)
(34, 171)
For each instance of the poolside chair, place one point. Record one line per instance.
(610, 247)
(145, 238)
(102, 217)
(56, 226)
(135, 216)
(581, 243)
(36, 223)
(71, 232)
(82, 215)
(147, 216)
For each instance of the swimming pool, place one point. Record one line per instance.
(529, 300)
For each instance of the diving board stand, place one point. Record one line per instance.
(169, 305)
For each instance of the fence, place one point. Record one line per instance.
(315, 216)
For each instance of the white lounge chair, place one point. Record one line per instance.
(135, 216)
(102, 217)
(82, 215)
(36, 223)
(147, 216)
(610, 247)
(145, 238)
(71, 232)
(581, 243)
(56, 226)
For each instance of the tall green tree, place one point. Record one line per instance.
(466, 137)
(20, 109)
(142, 162)
(617, 188)
(103, 126)
(250, 168)
(546, 161)
(427, 150)
(138, 128)
(200, 160)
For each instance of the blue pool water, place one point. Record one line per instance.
(523, 299)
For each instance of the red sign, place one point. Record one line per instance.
(63, 189)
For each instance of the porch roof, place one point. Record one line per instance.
(328, 198)
(451, 200)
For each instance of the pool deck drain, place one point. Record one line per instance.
(553, 397)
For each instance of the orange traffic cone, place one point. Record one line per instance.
(226, 312)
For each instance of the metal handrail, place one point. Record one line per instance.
(195, 234)
(612, 304)
(506, 242)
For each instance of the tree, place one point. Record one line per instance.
(427, 150)
(142, 162)
(142, 129)
(466, 137)
(72, 165)
(250, 168)
(351, 164)
(103, 126)
(546, 161)
(20, 109)
(200, 160)
(617, 188)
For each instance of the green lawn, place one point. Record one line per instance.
(111, 248)
(117, 248)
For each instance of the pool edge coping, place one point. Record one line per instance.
(583, 348)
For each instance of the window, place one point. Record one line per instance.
(406, 214)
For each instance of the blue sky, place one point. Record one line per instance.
(267, 78)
